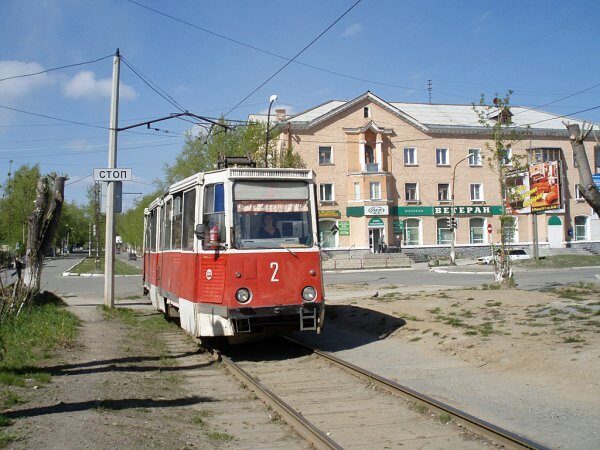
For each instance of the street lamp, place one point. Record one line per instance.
(452, 220)
(272, 100)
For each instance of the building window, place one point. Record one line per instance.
(356, 191)
(476, 192)
(366, 112)
(325, 156)
(476, 226)
(539, 155)
(441, 157)
(443, 192)
(510, 230)
(411, 192)
(412, 235)
(444, 234)
(578, 195)
(410, 156)
(375, 188)
(327, 192)
(581, 228)
(475, 157)
(506, 157)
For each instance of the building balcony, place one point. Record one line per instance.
(372, 167)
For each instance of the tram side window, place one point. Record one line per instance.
(214, 211)
(189, 209)
(167, 226)
(177, 221)
(152, 243)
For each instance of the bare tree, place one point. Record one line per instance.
(588, 189)
(42, 226)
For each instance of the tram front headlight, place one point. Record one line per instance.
(309, 293)
(243, 295)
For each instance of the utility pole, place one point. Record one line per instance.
(429, 88)
(452, 219)
(10, 207)
(97, 224)
(109, 245)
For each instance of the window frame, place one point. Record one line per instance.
(357, 195)
(446, 152)
(417, 196)
(507, 159)
(321, 192)
(414, 154)
(444, 221)
(578, 197)
(331, 161)
(185, 238)
(371, 184)
(481, 193)
(581, 237)
(483, 230)
(448, 192)
(479, 157)
(366, 112)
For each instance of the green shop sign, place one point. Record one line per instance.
(376, 222)
(416, 211)
(398, 226)
(344, 228)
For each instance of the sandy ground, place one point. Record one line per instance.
(525, 360)
(119, 388)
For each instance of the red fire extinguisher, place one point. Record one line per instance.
(213, 235)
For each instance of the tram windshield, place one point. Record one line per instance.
(272, 214)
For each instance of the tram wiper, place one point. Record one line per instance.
(291, 251)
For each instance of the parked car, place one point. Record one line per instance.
(132, 257)
(513, 254)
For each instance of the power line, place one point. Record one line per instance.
(161, 92)
(77, 181)
(55, 68)
(562, 98)
(75, 122)
(295, 56)
(270, 53)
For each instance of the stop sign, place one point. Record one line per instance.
(489, 228)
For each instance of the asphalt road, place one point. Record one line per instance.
(132, 285)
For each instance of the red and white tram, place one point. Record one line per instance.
(235, 251)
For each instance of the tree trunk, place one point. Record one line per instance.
(42, 226)
(588, 189)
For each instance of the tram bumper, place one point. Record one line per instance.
(305, 317)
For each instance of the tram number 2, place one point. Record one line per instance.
(275, 267)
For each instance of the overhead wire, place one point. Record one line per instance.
(295, 56)
(55, 68)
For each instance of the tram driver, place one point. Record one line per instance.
(269, 229)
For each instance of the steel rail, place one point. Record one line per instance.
(303, 427)
(479, 426)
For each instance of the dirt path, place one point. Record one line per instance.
(126, 386)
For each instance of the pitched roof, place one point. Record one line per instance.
(446, 118)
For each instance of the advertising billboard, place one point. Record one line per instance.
(535, 190)
(544, 184)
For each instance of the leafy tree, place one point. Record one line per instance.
(74, 224)
(201, 153)
(503, 162)
(130, 225)
(16, 205)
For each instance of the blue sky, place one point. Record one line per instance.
(542, 50)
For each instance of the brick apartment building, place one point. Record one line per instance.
(384, 171)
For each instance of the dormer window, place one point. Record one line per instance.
(366, 112)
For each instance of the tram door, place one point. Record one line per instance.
(375, 239)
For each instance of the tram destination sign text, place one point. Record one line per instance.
(116, 174)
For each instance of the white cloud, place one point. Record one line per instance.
(20, 87)
(352, 30)
(85, 85)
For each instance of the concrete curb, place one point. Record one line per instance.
(374, 269)
(88, 275)
(516, 270)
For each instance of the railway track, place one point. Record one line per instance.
(333, 410)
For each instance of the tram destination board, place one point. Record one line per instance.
(114, 174)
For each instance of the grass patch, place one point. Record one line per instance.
(420, 408)
(5, 421)
(32, 336)
(218, 436)
(7, 438)
(11, 399)
(200, 417)
(572, 339)
(445, 418)
(436, 310)
(88, 265)
(415, 339)
(561, 261)
(490, 287)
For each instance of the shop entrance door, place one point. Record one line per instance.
(376, 238)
